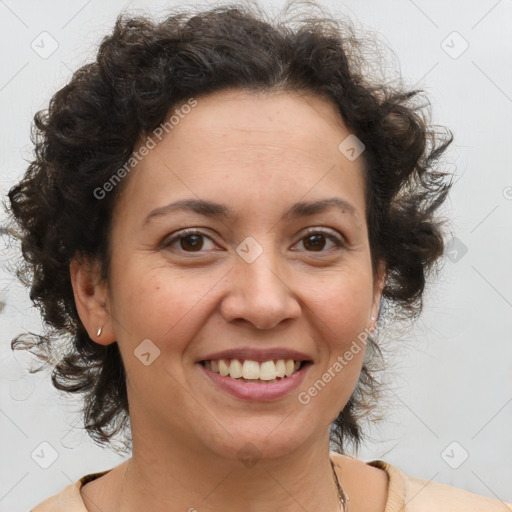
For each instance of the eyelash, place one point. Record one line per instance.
(181, 235)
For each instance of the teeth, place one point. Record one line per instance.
(223, 368)
(289, 367)
(280, 368)
(250, 370)
(253, 370)
(267, 370)
(235, 369)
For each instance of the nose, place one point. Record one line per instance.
(260, 293)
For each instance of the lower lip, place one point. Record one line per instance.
(257, 391)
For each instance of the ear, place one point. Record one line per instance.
(378, 286)
(91, 299)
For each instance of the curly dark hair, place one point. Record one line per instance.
(142, 70)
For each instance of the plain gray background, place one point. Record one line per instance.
(449, 406)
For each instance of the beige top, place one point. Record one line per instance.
(405, 494)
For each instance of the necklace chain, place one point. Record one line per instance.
(341, 493)
(343, 498)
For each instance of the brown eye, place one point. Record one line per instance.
(315, 240)
(187, 241)
(192, 242)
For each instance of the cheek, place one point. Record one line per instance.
(342, 301)
(163, 305)
(342, 310)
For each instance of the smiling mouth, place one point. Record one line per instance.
(255, 371)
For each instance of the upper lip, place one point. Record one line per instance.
(257, 354)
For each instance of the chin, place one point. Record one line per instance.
(260, 438)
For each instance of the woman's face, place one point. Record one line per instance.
(253, 279)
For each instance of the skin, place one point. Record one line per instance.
(258, 153)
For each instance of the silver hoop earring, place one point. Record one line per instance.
(99, 332)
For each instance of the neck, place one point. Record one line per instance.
(192, 478)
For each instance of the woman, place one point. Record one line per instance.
(218, 208)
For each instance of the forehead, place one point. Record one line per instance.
(300, 121)
(256, 148)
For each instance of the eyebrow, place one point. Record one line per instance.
(212, 209)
